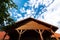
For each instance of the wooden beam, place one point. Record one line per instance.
(17, 30)
(23, 31)
(37, 31)
(41, 35)
(54, 35)
(20, 34)
(40, 30)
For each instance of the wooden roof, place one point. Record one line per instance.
(32, 26)
(31, 23)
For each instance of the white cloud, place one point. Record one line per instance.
(35, 3)
(21, 18)
(26, 4)
(18, 14)
(58, 31)
(23, 10)
(52, 15)
(32, 2)
(27, 16)
(10, 13)
(28, 11)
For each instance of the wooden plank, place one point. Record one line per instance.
(41, 35)
(54, 35)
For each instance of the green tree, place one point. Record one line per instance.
(5, 5)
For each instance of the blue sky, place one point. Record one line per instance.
(44, 10)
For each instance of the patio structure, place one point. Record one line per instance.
(42, 28)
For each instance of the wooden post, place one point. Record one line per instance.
(20, 34)
(41, 35)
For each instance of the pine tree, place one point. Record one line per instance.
(5, 5)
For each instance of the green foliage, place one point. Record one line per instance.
(5, 5)
(8, 27)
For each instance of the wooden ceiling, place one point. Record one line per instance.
(32, 25)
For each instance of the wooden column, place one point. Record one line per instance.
(41, 35)
(20, 34)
